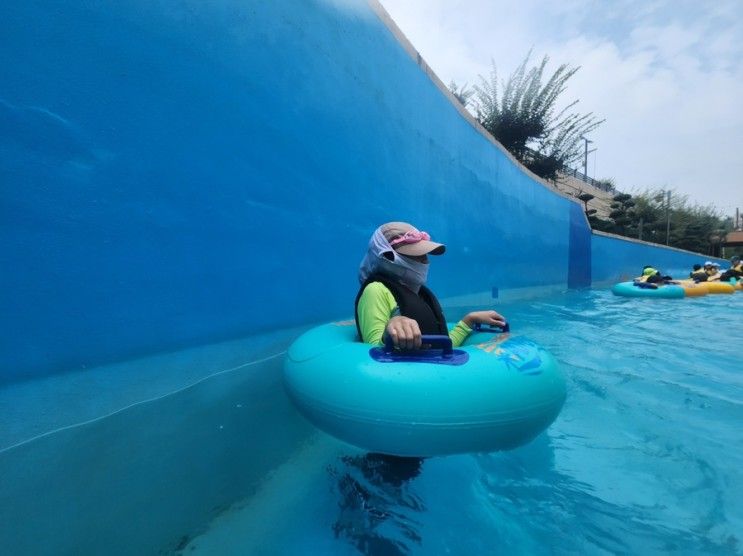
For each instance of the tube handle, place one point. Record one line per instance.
(436, 341)
(489, 328)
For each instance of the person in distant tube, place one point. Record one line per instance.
(393, 299)
(712, 270)
(698, 274)
(735, 270)
(652, 276)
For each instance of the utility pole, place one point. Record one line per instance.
(668, 216)
(586, 152)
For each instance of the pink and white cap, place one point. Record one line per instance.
(408, 240)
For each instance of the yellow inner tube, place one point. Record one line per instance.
(693, 290)
(708, 287)
(720, 287)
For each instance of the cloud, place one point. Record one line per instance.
(666, 75)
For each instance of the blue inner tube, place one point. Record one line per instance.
(631, 289)
(495, 393)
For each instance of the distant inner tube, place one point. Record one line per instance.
(631, 289)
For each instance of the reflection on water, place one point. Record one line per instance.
(377, 505)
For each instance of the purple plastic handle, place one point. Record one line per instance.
(488, 328)
(436, 341)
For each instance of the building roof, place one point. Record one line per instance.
(734, 238)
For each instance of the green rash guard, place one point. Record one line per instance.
(377, 306)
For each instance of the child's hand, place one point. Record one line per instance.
(405, 332)
(484, 317)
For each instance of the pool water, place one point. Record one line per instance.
(646, 456)
(201, 452)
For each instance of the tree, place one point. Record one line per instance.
(607, 184)
(463, 94)
(600, 224)
(594, 220)
(585, 197)
(623, 214)
(646, 216)
(521, 113)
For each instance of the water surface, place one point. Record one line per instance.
(644, 458)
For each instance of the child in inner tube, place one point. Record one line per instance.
(712, 270)
(652, 276)
(393, 299)
(735, 270)
(698, 274)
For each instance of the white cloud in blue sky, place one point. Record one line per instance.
(666, 75)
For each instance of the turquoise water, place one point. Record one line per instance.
(645, 458)
(211, 458)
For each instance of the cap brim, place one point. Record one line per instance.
(421, 248)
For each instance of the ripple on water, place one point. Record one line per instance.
(645, 457)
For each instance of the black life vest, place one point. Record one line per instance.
(422, 307)
(698, 275)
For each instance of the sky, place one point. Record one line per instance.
(667, 76)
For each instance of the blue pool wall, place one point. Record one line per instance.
(177, 174)
(616, 259)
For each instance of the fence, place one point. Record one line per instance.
(584, 178)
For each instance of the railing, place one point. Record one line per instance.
(603, 186)
(590, 181)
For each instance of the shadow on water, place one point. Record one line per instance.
(376, 502)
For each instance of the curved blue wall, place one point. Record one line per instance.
(177, 173)
(616, 259)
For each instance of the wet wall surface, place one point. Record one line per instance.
(176, 174)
